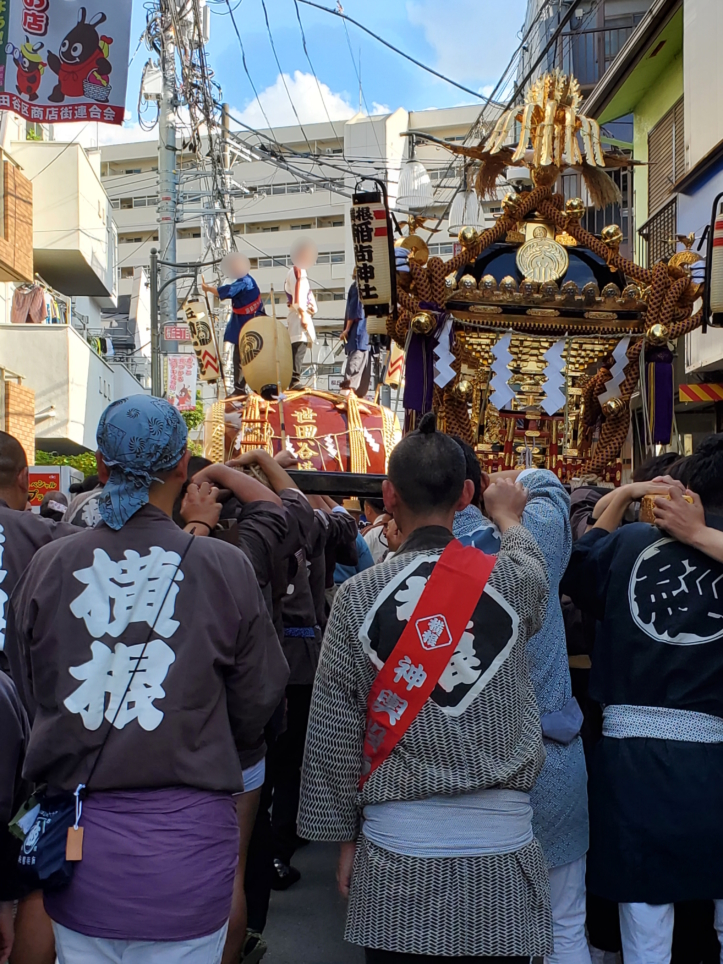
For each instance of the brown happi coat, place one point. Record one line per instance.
(210, 678)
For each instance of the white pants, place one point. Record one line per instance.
(74, 948)
(567, 893)
(647, 932)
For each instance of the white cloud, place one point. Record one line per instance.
(311, 104)
(459, 56)
(380, 108)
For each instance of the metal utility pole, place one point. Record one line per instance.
(168, 187)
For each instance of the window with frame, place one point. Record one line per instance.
(666, 156)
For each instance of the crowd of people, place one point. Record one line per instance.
(498, 697)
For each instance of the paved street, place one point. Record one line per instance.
(306, 923)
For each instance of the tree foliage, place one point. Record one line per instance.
(85, 462)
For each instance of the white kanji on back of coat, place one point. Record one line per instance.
(130, 677)
(133, 590)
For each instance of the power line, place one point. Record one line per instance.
(282, 75)
(306, 51)
(418, 63)
(245, 66)
(358, 77)
(58, 156)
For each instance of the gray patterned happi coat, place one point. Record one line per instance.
(480, 729)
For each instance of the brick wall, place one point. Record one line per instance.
(16, 236)
(20, 416)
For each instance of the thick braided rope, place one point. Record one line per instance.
(615, 429)
(668, 287)
(582, 236)
(452, 409)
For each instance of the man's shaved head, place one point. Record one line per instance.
(12, 460)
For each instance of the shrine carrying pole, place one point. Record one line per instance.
(279, 393)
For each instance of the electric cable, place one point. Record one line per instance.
(418, 63)
(245, 66)
(282, 75)
(318, 84)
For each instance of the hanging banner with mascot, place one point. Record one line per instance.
(65, 60)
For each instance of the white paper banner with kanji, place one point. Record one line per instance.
(65, 60)
(204, 341)
(181, 374)
(371, 235)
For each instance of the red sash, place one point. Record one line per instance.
(424, 649)
(248, 309)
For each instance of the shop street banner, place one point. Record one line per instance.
(181, 374)
(65, 60)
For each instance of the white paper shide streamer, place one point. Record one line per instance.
(502, 394)
(443, 357)
(620, 356)
(554, 397)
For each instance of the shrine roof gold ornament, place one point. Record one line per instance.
(554, 136)
(539, 303)
(542, 259)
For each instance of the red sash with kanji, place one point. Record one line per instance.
(248, 309)
(424, 649)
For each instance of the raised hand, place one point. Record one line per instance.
(505, 501)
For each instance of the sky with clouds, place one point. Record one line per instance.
(470, 41)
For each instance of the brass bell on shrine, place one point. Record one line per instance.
(463, 388)
(575, 208)
(613, 406)
(612, 236)
(657, 335)
(423, 323)
(511, 204)
(468, 237)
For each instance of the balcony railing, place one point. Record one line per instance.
(658, 235)
(589, 53)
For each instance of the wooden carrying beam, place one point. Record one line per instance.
(339, 485)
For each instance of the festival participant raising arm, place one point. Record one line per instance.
(686, 522)
(464, 641)
(657, 669)
(154, 663)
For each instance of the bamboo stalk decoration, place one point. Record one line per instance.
(279, 393)
(212, 326)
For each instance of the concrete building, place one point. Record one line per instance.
(668, 77)
(58, 252)
(273, 207)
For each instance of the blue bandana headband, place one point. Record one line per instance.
(138, 437)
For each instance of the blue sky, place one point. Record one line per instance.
(469, 40)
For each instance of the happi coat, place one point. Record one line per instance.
(559, 798)
(21, 535)
(479, 730)
(655, 804)
(212, 674)
(300, 298)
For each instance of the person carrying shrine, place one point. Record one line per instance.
(246, 303)
(357, 373)
(656, 789)
(424, 735)
(153, 662)
(559, 798)
(21, 533)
